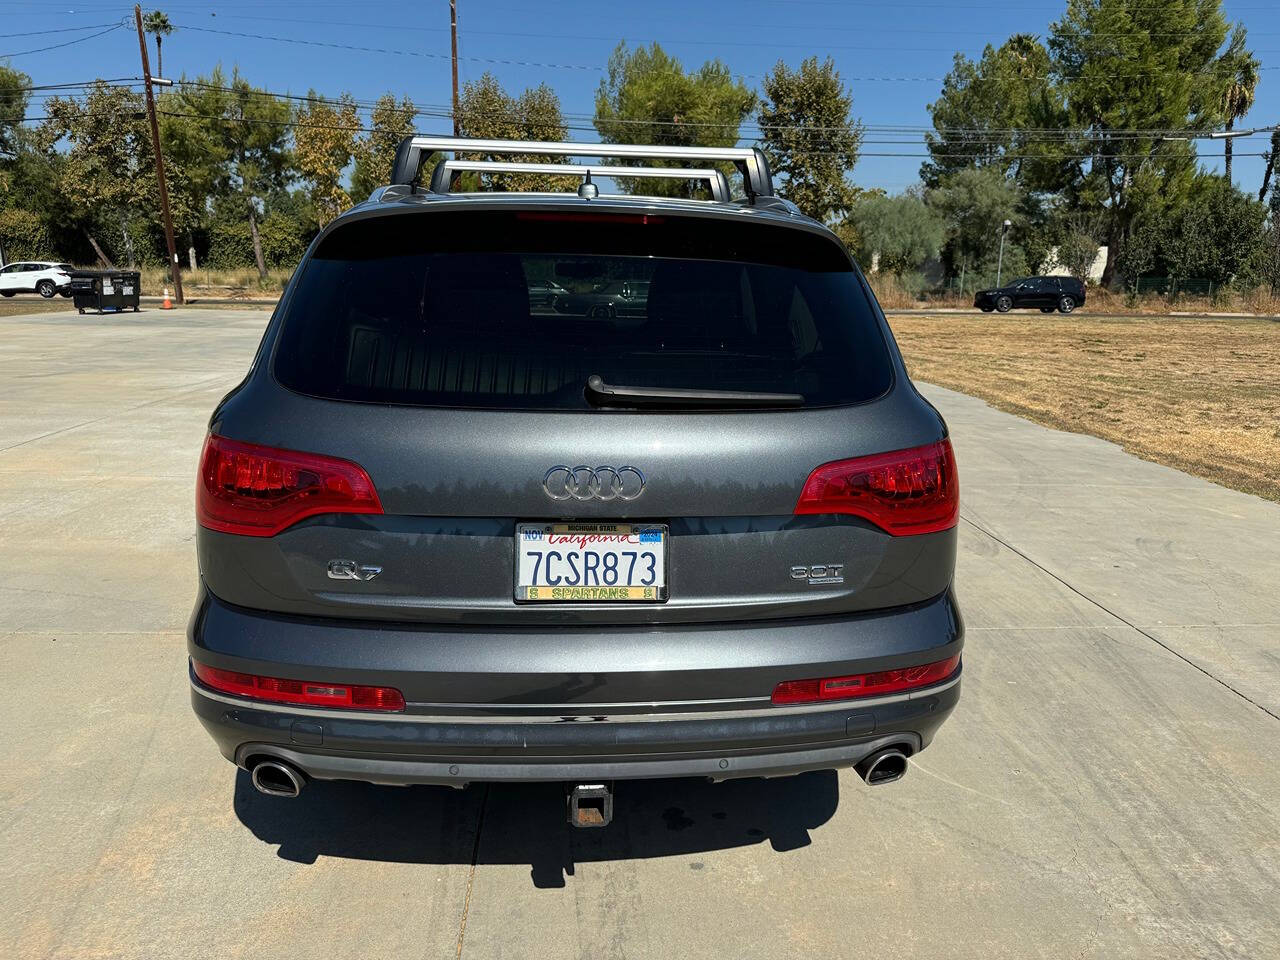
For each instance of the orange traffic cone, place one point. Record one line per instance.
(166, 305)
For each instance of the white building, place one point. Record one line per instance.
(1052, 268)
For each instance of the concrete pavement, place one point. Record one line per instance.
(1109, 786)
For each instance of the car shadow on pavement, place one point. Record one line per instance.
(525, 823)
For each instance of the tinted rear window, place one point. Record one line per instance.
(517, 310)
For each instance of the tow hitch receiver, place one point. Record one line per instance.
(590, 804)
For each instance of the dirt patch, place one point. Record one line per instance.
(1201, 395)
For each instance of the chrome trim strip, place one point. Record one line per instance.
(588, 712)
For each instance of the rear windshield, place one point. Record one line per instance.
(517, 310)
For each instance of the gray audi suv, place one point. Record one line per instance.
(445, 536)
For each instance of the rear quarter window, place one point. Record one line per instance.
(517, 309)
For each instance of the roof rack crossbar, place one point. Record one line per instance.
(756, 178)
(443, 173)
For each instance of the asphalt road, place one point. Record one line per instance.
(1108, 787)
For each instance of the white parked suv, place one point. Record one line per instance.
(39, 276)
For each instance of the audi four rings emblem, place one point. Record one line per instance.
(600, 483)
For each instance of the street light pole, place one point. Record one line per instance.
(1004, 228)
(155, 145)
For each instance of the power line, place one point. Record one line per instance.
(387, 50)
(600, 69)
(58, 46)
(37, 33)
(860, 30)
(1043, 134)
(72, 86)
(969, 137)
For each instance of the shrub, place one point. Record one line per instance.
(284, 240)
(24, 236)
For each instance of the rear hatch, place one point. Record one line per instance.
(523, 388)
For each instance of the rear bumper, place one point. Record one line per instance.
(525, 716)
(405, 751)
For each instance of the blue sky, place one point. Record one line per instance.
(567, 43)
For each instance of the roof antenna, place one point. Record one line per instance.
(588, 190)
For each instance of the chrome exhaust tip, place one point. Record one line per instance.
(883, 767)
(277, 779)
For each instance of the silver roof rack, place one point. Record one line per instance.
(443, 174)
(413, 150)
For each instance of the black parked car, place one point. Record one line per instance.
(621, 298)
(1047, 293)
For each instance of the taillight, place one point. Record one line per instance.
(258, 491)
(904, 492)
(865, 684)
(347, 695)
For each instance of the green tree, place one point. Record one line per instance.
(16, 229)
(375, 152)
(1142, 248)
(1240, 70)
(231, 143)
(324, 140)
(108, 165)
(1214, 235)
(810, 136)
(190, 117)
(974, 203)
(1267, 262)
(35, 216)
(647, 97)
(1217, 235)
(13, 108)
(487, 111)
(988, 109)
(156, 23)
(23, 235)
(1077, 247)
(896, 234)
(1133, 65)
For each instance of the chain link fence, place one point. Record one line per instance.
(1173, 286)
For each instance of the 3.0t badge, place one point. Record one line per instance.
(819, 573)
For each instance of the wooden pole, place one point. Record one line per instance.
(453, 35)
(155, 146)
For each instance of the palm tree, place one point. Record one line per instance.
(1240, 86)
(156, 23)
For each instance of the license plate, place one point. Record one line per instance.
(595, 562)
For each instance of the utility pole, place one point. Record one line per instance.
(453, 34)
(155, 146)
(1004, 228)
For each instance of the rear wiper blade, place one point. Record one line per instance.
(603, 394)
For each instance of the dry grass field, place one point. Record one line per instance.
(1201, 395)
(16, 306)
(220, 284)
(893, 295)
